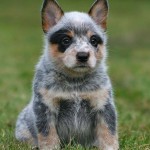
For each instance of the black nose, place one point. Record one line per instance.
(82, 56)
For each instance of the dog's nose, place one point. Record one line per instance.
(82, 56)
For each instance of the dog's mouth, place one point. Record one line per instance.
(81, 66)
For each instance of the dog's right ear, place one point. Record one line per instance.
(51, 13)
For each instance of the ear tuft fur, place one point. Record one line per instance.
(99, 13)
(51, 13)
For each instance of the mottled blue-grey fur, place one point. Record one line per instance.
(72, 100)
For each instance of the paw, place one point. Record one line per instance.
(108, 147)
(50, 147)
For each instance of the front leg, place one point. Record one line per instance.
(107, 137)
(50, 141)
(47, 135)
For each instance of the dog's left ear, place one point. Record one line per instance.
(99, 13)
(51, 13)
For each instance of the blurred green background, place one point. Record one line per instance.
(21, 42)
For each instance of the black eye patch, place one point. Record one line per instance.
(62, 39)
(95, 40)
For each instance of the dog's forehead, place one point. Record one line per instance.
(78, 18)
(78, 22)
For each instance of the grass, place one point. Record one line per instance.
(20, 48)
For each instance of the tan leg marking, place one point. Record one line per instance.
(50, 142)
(106, 141)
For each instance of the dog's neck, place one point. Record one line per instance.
(59, 80)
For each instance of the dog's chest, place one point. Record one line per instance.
(55, 100)
(75, 113)
(76, 121)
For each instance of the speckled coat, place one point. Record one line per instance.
(72, 95)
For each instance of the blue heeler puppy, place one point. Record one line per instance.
(72, 94)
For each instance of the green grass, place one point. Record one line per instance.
(129, 60)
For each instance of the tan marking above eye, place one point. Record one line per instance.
(70, 34)
(89, 34)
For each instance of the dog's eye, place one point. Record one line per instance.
(66, 41)
(95, 40)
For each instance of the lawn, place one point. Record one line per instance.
(21, 42)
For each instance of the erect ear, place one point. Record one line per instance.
(99, 13)
(51, 14)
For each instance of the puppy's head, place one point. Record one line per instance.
(75, 41)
